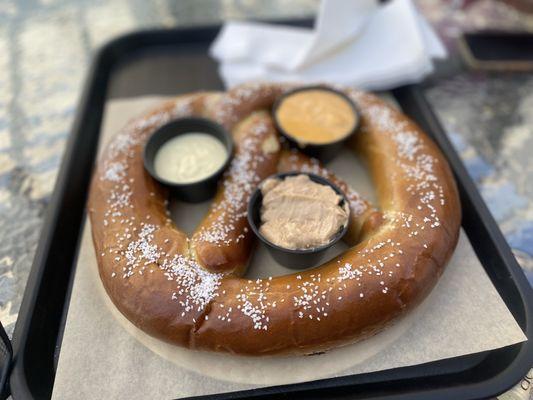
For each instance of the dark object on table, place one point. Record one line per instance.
(498, 51)
(6, 356)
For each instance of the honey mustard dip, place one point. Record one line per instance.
(316, 116)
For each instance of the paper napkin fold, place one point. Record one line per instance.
(353, 43)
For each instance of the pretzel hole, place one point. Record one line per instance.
(346, 166)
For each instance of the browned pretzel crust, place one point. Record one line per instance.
(188, 291)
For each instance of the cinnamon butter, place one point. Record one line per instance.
(316, 116)
(298, 213)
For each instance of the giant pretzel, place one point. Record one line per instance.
(189, 290)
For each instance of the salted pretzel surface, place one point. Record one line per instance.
(190, 291)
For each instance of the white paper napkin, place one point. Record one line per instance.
(353, 43)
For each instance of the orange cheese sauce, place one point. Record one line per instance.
(316, 116)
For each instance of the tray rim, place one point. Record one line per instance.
(100, 73)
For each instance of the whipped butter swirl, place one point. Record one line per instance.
(298, 213)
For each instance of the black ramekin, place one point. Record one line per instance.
(326, 151)
(295, 259)
(192, 192)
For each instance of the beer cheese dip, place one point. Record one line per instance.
(316, 116)
(298, 213)
(190, 157)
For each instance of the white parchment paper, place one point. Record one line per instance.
(104, 356)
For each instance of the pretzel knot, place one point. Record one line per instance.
(190, 291)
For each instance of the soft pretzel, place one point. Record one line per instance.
(188, 291)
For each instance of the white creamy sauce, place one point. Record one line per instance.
(190, 157)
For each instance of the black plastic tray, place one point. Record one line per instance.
(175, 61)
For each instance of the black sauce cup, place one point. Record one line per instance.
(323, 151)
(196, 191)
(291, 258)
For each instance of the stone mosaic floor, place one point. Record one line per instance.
(46, 47)
(496, 145)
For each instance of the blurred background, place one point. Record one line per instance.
(46, 47)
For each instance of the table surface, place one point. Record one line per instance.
(46, 47)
